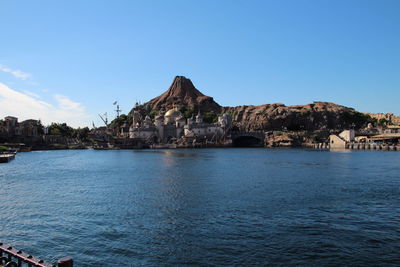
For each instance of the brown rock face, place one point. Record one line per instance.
(182, 92)
(316, 116)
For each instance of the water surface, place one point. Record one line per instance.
(204, 207)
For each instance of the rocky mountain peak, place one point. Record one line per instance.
(182, 87)
(182, 92)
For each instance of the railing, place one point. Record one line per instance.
(11, 257)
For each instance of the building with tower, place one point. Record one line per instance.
(169, 126)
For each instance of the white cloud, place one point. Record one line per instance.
(16, 73)
(31, 94)
(67, 104)
(24, 106)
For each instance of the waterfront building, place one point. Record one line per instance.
(386, 138)
(172, 125)
(340, 141)
(336, 142)
(29, 128)
(347, 139)
(347, 135)
(209, 131)
(10, 127)
(392, 129)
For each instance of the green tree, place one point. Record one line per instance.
(154, 113)
(383, 122)
(356, 119)
(210, 117)
(187, 112)
(117, 122)
(81, 133)
(61, 129)
(54, 131)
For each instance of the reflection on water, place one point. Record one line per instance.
(204, 207)
(338, 150)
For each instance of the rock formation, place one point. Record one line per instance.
(323, 116)
(311, 117)
(183, 93)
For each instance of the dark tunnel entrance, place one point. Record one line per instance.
(247, 141)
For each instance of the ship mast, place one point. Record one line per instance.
(104, 119)
(117, 110)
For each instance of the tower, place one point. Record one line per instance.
(199, 118)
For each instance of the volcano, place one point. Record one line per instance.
(182, 92)
(315, 116)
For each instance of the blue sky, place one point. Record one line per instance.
(69, 60)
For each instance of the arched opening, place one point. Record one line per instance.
(247, 141)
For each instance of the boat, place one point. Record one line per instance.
(7, 157)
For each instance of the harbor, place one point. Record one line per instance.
(199, 133)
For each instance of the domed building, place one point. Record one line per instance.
(173, 125)
(171, 115)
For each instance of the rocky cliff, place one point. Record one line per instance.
(311, 117)
(315, 116)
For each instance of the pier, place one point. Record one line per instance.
(362, 146)
(348, 140)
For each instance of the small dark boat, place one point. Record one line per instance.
(7, 157)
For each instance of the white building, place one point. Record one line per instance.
(340, 141)
(172, 125)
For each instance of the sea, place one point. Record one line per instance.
(204, 207)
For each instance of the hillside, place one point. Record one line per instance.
(310, 117)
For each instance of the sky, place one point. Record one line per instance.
(68, 61)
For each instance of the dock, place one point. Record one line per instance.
(361, 146)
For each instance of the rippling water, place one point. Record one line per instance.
(204, 207)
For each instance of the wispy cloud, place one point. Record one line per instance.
(67, 104)
(25, 106)
(16, 73)
(31, 94)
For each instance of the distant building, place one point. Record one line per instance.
(335, 142)
(347, 135)
(172, 125)
(10, 127)
(387, 138)
(340, 141)
(11, 121)
(29, 128)
(392, 129)
(390, 117)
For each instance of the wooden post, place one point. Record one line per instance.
(65, 262)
